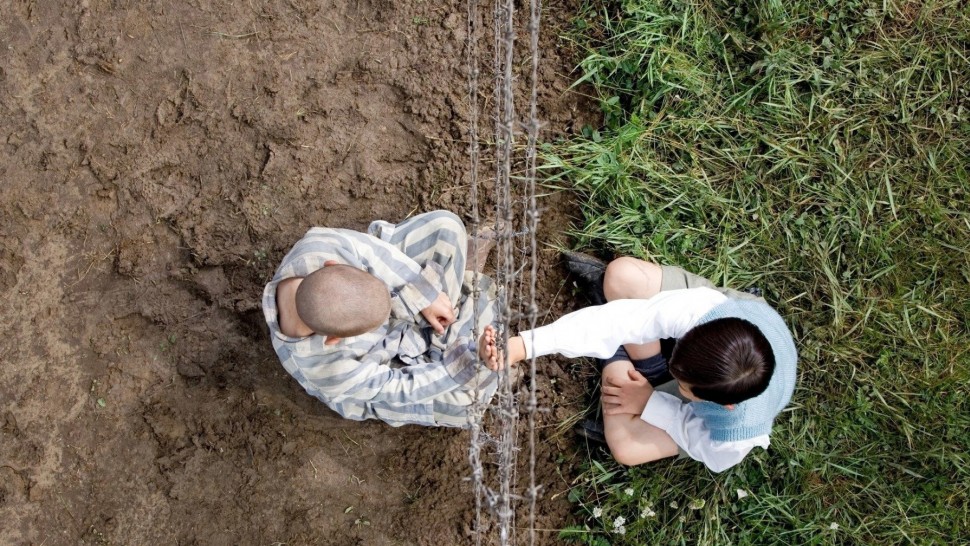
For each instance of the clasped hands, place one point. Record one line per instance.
(493, 356)
(440, 315)
(625, 395)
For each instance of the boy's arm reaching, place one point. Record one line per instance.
(597, 331)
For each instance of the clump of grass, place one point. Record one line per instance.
(818, 150)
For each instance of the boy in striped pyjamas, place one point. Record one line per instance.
(378, 325)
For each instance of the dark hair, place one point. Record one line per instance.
(725, 361)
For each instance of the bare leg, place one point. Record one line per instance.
(632, 440)
(630, 278)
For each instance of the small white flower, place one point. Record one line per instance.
(742, 493)
(674, 505)
(618, 522)
(628, 491)
(621, 530)
(834, 526)
(697, 504)
(597, 512)
(647, 512)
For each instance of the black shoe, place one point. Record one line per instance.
(592, 430)
(590, 270)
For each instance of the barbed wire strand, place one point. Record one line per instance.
(504, 45)
(474, 451)
(516, 254)
(531, 222)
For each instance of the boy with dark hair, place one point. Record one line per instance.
(732, 368)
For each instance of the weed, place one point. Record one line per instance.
(96, 393)
(167, 343)
(412, 496)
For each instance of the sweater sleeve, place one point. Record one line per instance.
(414, 286)
(597, 331)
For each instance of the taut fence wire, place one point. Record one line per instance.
(495, 448)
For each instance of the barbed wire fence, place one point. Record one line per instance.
(494, 446)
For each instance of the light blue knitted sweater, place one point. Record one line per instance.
(753, 417)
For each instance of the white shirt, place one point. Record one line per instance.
(599, 330)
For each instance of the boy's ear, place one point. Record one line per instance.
(330, 262)
(729, 407)
(332, 340)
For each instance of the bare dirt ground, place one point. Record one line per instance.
(158, 159)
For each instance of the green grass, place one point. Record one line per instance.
(818, 150)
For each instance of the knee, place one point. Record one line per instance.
(628, 278)
(631, 453)
(448, 229)
(623, 454)
(444, 220)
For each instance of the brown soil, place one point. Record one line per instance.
(158, 159)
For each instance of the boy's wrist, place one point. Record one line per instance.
(516, 349)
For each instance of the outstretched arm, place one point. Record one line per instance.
(597, 331)
(516, 354)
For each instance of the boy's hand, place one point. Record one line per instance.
(492, 355)
(626, 396)
(440, 314)
(487, 350)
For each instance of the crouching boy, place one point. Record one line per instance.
(731, 371)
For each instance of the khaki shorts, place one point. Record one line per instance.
(675, 278)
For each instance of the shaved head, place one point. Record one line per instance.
(342, 301)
